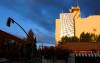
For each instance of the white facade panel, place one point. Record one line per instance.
(67, 24)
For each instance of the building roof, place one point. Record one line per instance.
(81, 46)
(5, 35)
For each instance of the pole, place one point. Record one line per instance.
(22, 29)
(26, 34)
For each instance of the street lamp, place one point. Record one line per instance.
(10, 21)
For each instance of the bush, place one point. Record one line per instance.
(86, 37)
(69, 39)
(98, 38)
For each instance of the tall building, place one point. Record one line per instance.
(71, 24)
(65, 25)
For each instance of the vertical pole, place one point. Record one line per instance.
(74, 26)
(77, 3)
(42, 53)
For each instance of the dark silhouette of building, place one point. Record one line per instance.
(6, 38)
(11, 47)
(83, 52)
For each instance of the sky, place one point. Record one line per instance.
(40, 15)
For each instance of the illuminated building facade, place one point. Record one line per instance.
(65, 25)
(71, 24)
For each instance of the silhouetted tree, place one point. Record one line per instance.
(30, 45)
(86, 37)
(60, 43)
(98, 38)
(74, 39)
(66, 39)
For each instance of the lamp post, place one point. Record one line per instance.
(10, 20)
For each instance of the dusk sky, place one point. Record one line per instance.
(40, 15)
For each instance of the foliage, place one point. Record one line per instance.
(60, 43)
(30, 45)
(98, 38)
(69, 39)
(87, 37)
(84, 37)
(74, 39)
(65, 39)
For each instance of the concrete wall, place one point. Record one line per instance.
(51, 61)
(90, 24)
(58, 30)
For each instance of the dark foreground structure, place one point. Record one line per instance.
(17, 50)
(13, 48)
(10, 45)
(83, 52)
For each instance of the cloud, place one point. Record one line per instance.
(42, 34)
(40, 11)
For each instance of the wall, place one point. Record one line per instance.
(90, 24)
(57, 31)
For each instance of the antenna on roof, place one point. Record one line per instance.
(76, 3)
(62, 11)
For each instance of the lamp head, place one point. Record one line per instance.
(9, 21)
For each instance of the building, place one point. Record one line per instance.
(71, 24)
(82, 52)
(65, 25)
(6, 38)
(11, 46)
